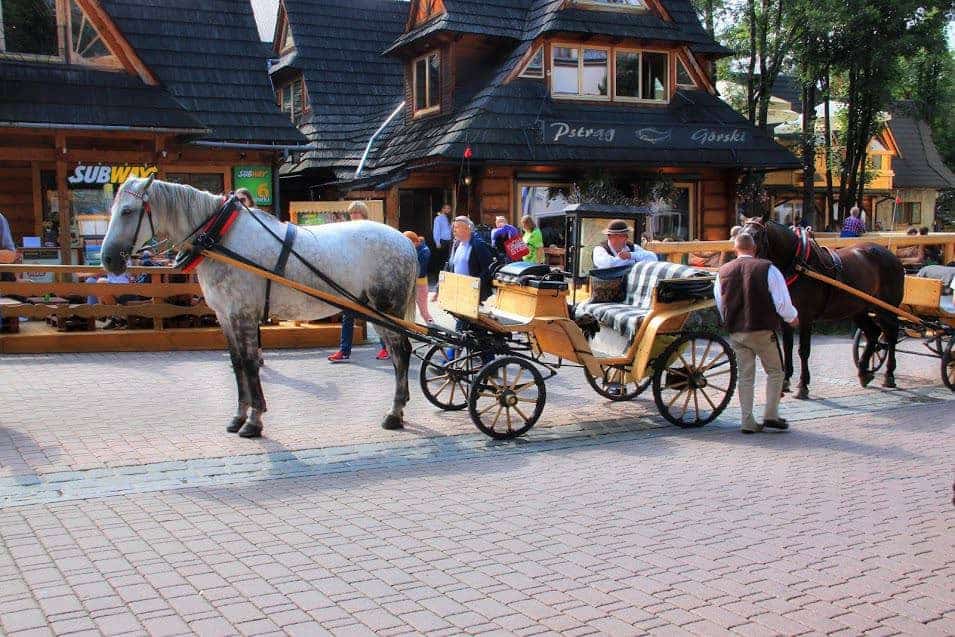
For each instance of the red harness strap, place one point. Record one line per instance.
(210, 234)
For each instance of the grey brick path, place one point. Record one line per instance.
(119, 517)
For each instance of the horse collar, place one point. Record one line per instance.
(209, 234)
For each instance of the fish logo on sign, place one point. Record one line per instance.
(654, 135)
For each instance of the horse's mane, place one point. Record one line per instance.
(184, 206)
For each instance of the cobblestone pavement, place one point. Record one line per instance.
(124, 510)
(91, 411)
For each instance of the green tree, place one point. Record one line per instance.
(875, 35)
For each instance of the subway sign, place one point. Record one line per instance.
(100, 175)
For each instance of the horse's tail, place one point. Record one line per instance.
(411, 306)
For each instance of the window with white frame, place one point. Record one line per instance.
(581, 72)
(426, 83)
(641, 75)
(535, 65)
(29, 27)
(612, 5)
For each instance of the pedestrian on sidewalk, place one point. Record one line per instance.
(752, 297)
(441, 235)
(357, 211)
(421, 286)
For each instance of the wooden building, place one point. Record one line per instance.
(906, 171)
(92, 91)
(498, 107)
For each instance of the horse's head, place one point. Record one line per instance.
(774, 241)
(130, 224)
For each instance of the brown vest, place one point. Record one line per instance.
(747, 303)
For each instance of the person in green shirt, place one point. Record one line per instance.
(534, 240)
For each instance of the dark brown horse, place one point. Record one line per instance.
(867, 267)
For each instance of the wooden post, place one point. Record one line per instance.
(37, 199)
(63, 199)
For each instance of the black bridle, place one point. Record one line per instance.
(144, 212)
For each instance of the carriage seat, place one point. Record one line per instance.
(534, 275)
(625, 318)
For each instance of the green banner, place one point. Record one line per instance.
(258, 179)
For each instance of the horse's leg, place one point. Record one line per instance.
(872, 333)
(805, 347)
(890, 327)
(246, 333)
(787, 355)
(400, 349)
(242, 406)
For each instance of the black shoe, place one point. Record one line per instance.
(778, 423)
(749, 431)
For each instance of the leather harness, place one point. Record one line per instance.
(210, 234)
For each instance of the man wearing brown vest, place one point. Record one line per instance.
(752, 297)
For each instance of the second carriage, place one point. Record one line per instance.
(534, 325)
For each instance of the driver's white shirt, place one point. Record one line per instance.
(604, 259)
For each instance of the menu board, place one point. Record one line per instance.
(317, 213)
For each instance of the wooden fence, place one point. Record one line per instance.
(678, 251)
(166, 313)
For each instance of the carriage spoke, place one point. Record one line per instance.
(685, 364)
(696, 404)
(488, 408)
(453, 387)
(526, 400)
(706, 352)
(686, 405)
(520, 373)
(718, 388)
(707, 397)
(674, 399)
(434, 378)
(693, 352)
(497, 416)
(678, 372)
(719, 373)
(507, 413)
(521, 413)
(714, 362)
(442, 388)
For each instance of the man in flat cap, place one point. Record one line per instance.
(617, 250)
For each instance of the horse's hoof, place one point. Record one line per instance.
(889, 382)
(250, 431)
(866, 378)
(392, 422)
(802, 394)
(235, 425)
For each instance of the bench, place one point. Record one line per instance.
(625, 318)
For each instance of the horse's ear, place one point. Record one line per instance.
(149, 182)
(765, 216)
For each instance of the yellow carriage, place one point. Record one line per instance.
(532, 326)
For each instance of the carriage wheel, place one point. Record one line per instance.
(694, 379)
(948, 364)
(446, 382)
(879, 354)
(507, 397)
(616, 384)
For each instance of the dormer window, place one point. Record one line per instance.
(50, 30)
(612, 5)
(426, 83)
(29, 28)
(641, 76)
(581, 72)
(535, 65)
(293, 99)
(684, 78)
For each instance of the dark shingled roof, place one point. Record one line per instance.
(40, 93)
(353, 93)
(352, 88)
(919, 165)
(496, 18)
(547, 16)
(529, 19)
(502, 122)
(209, 57)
